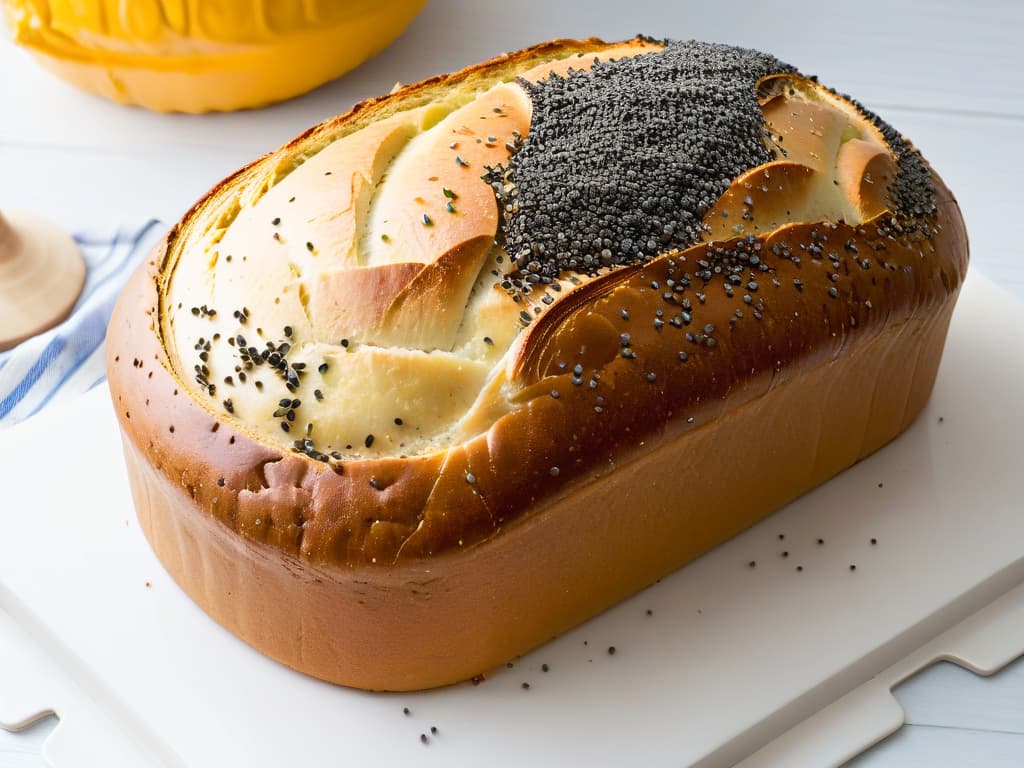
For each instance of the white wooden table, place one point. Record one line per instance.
(945, 72)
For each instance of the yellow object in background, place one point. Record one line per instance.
(205, 55)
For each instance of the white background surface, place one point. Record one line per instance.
(945, 73)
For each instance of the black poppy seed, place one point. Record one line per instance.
(853, 567)
(651, 376)
(525, 686)
(874, 542)
(318, 395)
(405, 711)
(221, 481)
(488, 340)
(752, 564)
(368, 442)
(427, 221)
(309, 246)
(459, 161)
(424, 739)
(833, 292)
(344, 343)
(285, 426)
(611, 650)
(585, 122)
(276, 220)
(820, 542)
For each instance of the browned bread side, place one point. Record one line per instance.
(623, 442)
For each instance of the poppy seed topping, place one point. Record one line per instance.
(622, 162)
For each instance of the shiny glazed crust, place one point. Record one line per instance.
(398, 573)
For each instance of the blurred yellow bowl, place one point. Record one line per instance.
(205, 55)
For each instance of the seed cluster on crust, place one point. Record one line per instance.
(621, 163)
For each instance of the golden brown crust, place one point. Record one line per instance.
(422, 528)
(435, 621)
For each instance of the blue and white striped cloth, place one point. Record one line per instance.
(68, 360)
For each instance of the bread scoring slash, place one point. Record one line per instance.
(452, 372)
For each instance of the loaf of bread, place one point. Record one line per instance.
(450, 373)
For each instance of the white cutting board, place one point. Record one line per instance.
(729, 659)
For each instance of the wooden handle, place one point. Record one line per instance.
(41, 276)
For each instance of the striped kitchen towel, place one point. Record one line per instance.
(68, 360)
